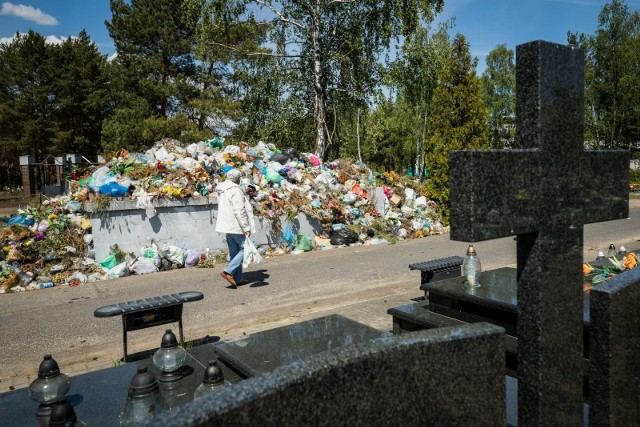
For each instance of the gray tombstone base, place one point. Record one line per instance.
(444, 377)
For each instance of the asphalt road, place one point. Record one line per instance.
(60, 320)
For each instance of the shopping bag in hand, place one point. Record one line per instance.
(251, 254)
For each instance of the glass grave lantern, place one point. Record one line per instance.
(169, 358)
(63, 415)
(143, 401)
(212, 381)
(49, 388)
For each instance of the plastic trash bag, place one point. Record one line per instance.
(143, 265)
(74, 206)
(343, 237)
(273, 176)
(152, 253)
(303, 243)
(193, 258)
(113, 189)
(251, 254)
(174, 254)
(43, 225)
(21, 220)
(109, 262)
(349, 198)
(120, 270)
(215, 142)
(231, 149)
(287, 234)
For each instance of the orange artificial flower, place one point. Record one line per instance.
(629, 261)
(586, 269)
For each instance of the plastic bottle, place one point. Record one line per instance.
(47, 285)
(471, 267)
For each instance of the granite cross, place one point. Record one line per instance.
(543, 192)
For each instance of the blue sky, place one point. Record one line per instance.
(485, 23)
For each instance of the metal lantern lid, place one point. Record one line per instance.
(213, 374)
(143, 383)
(612, 247)
(62, 415)
(169, 339)
(48, 367)
(471, 250)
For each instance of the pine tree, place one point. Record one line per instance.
(153, 74)
(458, 120)
(26, 102)
(81, 95)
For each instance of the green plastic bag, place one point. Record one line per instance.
(215, 142)
(273, 176)
(303, 243)
(85, 182)
(109, 262)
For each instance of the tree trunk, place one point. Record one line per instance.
(420, 154)
(319, 108)
(358, 137)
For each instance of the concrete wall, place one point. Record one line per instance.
(187, 223)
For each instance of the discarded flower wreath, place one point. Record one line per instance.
(597, 275)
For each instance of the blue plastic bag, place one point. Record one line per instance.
(21, 220)
(288, 236)
(113, 189)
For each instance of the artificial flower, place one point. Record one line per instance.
(629, 261)
(586, 268)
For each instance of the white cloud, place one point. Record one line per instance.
(6, 40)
(113, 56)
(51, 39)
(27, 13)
(55, 39)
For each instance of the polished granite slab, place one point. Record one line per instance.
(264, 351)
(498, 290)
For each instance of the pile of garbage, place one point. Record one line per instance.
(52, 244)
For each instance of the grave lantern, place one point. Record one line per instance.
(212, 381)
(49, 388)
(612, 251)
(471, 267)
(143, 401)
(169, 358)
(63, 415)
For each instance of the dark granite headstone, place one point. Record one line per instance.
(444, 377)
(614, 375)
(543, 192)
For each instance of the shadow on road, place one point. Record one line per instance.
(257, 278)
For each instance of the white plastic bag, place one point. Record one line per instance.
(173, 253)
(251, 254)
(120, 270)
(143, 265)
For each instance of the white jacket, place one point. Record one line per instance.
(235, 213)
